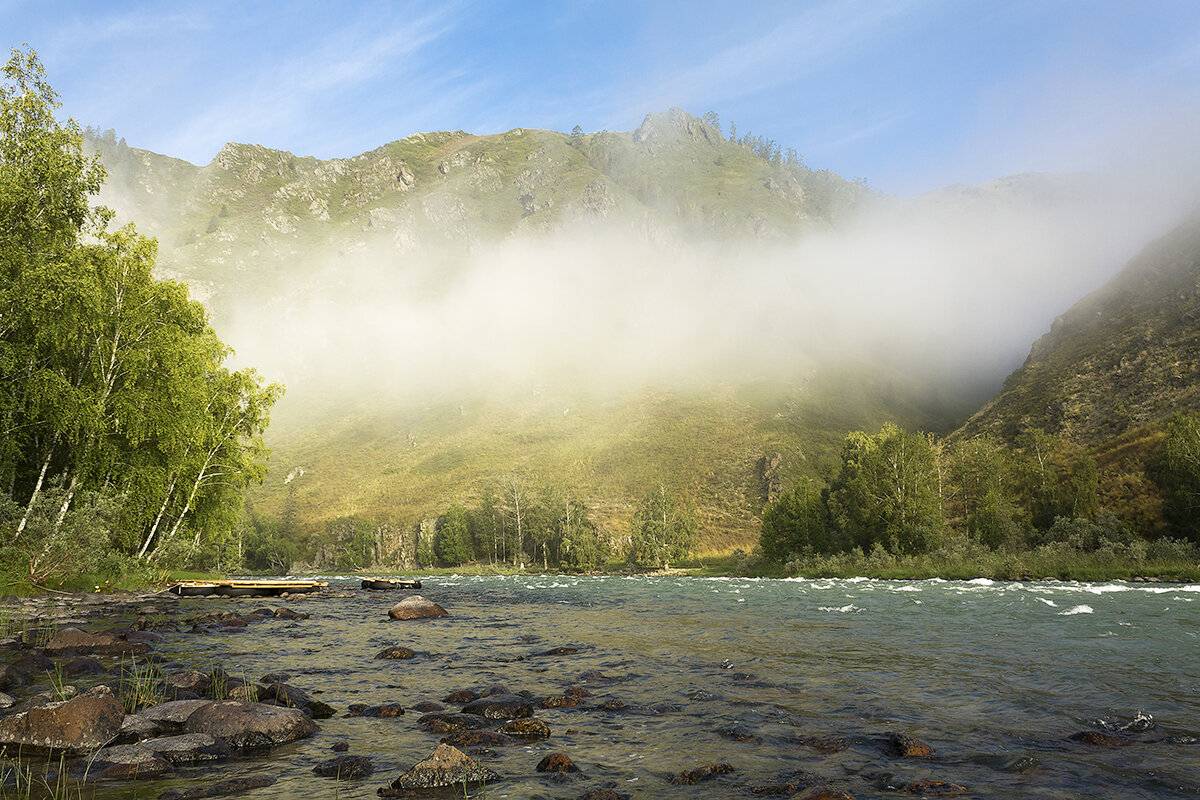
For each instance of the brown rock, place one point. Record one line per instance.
(287, 613)
(83, 723)
(345, 767)
(292, 697)
(385, 710)
(427, 707)
(557, 762)
(823, 744)
(233, 786)
(528, 728)
(602, 794)
(447, 766)
(477, 739)
(828, 794)
(172, 715)
(1100, 739)
(932, 788)
(250, 726)
(559, 701)
(461, 696)
(909, 747)
(500, 706)
(396, 652)
(451, 723)
(705, 773)
(417, 607)
(72, 641)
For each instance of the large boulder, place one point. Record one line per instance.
(72, 641)
(417, 607)
(83, 723)
(250, 726)
(448, 766)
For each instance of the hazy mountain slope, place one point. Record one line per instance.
(1125, 356)
(602, 312)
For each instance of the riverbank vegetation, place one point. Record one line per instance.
(909, 505)
(125, 440)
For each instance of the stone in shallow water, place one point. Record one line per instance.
(345, 767)
(1100, 739)
(448, 766)
(81, 724)
(910, 747)
(705, 773)
(500, 706)
(250, 726)
(396, 652)
(557, 762)
(417, 607)
(233, 786)
(529, 728)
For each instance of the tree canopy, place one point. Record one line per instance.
(113, 386)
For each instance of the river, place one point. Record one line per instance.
(993, 676)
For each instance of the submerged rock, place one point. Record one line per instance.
(705, 773)
(231, 787)
(448, 766)
(481, 738)
(451, 723)
(527, 728)
(417, 607)
(500, 706)
(292, 697)
(345, 767)
(396, 652)
(1100, 739)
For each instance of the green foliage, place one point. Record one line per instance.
(452, 544)
(264, 547)
(119, 425)
(887, 491)
(353, 541)
(797, 524)
(664, 530)
(1180, 475)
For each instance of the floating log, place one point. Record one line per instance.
(389, 583)
(243, 588)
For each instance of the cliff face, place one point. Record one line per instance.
(1127, 355)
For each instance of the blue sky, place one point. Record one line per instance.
(910, 94)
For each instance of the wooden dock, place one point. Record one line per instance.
(244, 588)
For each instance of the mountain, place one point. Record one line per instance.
(602, 312)
(1125, 356)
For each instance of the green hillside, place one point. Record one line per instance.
(1126, 356)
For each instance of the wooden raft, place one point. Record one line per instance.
(243, 588)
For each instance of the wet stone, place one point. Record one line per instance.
(500, 706)
(345, 767)
(340, 747)
(558, 701)
(932, 788)
(1100, 739)
(558, 651)
(705, 773)
(417, 607)
(739, 734)
(250, 726)
(789, 783)
(823, 744)
(602, 794)
(451, 723)
(81, 724)
(426, 707)
(287, 613)
(461, 696)
(396, 652)
(557, 762)
(384, 711)
(907, 746)
(83, 665)
(447, 766)
(228, 788)
(477, 739)
(528, 728)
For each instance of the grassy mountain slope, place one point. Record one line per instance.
(1126, 356)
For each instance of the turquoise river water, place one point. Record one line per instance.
(995, 677)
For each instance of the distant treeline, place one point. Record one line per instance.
(900, 495)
